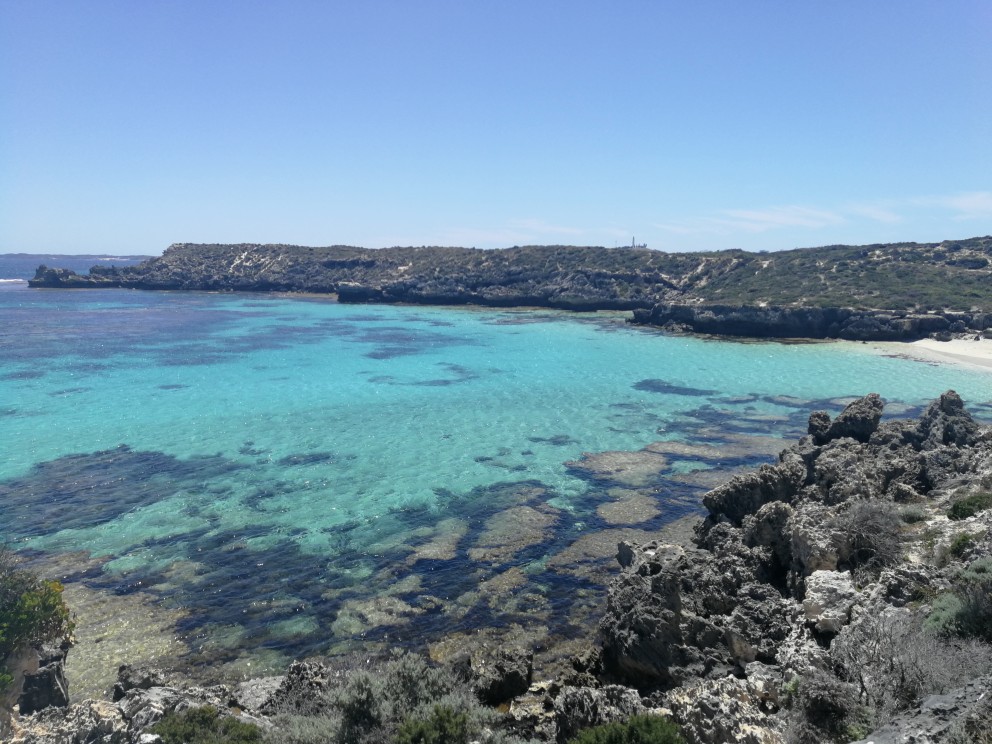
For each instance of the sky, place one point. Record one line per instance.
(763, 125)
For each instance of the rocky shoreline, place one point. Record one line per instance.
(752, 321)
(840, 594)
(896, 292)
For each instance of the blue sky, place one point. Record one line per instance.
(127, 126)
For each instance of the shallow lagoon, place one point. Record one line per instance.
(279, 476)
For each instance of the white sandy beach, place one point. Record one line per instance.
(958, 351)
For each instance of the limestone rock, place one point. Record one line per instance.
(135, 678)
(744, 494)
(89, 721)
(304, 684)
(502, 675)
(724, 711)
(578, 708)
(830, 595)
(47, 686)
(858, 420)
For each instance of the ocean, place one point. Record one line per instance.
(226, 482)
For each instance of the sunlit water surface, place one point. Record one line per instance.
(288, 475)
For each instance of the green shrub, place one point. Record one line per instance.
(944, 614)
(442, 726)
(870, 535)
(204, 725)
(404, 696)
(961, 544)
(31, 611)
(912, 514)
(969, 506)
(637, 730)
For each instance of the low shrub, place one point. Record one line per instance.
(824, 709)
(967, 609)
(403, 697)
(969, 506)
(32, 610)
(869, 535)
(913, 514)
(636, 730)
(894, 660)
(204, 725)
(443, 725)
(961, 543)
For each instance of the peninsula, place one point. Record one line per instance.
(884, 292)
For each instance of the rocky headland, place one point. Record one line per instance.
(890, 292)
(843, 593)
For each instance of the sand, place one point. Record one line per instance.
(964, 351)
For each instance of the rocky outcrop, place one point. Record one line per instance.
(501, 675)
(46, 686)
(787, 558)
(127, 720)
(770, 321)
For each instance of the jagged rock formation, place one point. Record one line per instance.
(832, 292)
(795, 563)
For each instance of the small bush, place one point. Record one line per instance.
(961, 544)
(31, 611)
(894, 661)
(404, 696)
(442, 726)
(824, 708)
(637, 730)
(204, 725)
(913, 514)
(969, 506)
(869, 535)
(967, 609)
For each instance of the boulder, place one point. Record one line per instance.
(501, 675)
(830, 595)
(89, 721)
(744, 494)
(578, 708)
(47, 686)
(858, 420)
(135, 678)
(725, 711)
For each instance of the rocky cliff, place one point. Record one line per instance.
(882, 292)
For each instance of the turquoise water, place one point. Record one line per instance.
(301, 475)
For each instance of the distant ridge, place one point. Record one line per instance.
(951, 279)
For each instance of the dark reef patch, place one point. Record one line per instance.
(459, 373)
(27, 374)
(84, 490)
(558, 440)
(310, 458)
(668, 388)
(69, 391)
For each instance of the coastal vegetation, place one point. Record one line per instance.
(898, 291)
(952, 275)
(32, 611)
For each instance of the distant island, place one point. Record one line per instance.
(895, 291)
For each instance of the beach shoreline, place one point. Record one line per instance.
(966, 352)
